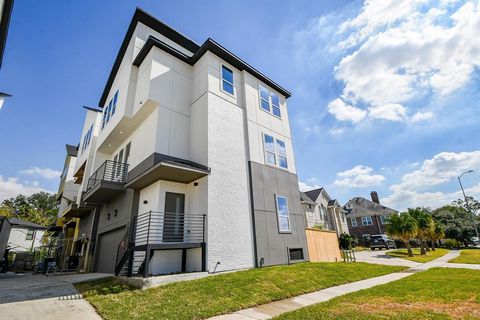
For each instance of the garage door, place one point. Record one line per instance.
(107, 250)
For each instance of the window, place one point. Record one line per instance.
(264, 102)
(282, 153)
(353, 221)
(227, 80)
(275, 151)
(367, 221)
(269, 149)
(275, 104)
(109, 110)
(30, 233)
(296, 254)
(323, 213)
(384, 219)
(87, 138)
(269, 101)
(283, 215)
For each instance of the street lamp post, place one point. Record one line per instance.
(466, 200)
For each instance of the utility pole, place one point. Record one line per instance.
(466, 200)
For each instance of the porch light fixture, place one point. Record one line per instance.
(2, 98)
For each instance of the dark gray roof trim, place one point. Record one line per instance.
(3, 94)
(155, 24)
(24, 224)
(92, 109)
(215, 48)
(5, 22)
(170, 33)
(71, 150)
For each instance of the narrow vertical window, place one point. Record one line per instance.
(283, 215)
(269, 147)
(353, 221)
(109, 109)
(114, 103)
(29, 235)
(264, 102)
(104, 117)
(275, 105)
(281, 153)
(227, 80)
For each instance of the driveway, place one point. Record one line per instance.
(27, 296)
(380, 257)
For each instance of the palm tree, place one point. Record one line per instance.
(437, 234)
(425, 224)
(402, 227)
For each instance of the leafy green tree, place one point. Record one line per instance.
(40, 208)
(456, 221)
(402, 227)
(437, 234)
(425, 226)
(346, 241)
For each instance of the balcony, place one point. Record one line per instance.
(152, 231)
(107, 182)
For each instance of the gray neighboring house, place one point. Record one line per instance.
(5, 228)
(24, 236)
(367, 217)
(320, 209)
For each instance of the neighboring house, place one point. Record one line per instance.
(5, 228)
(24, 235)
(367, 217)
(321, 210)
(189, 164)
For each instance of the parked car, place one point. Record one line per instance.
(381, 241)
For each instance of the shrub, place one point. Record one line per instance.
(346, 241)
(452, 244)
(318, 226)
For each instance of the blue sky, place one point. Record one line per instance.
(385, 93)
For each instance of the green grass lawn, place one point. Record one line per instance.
(224, 293)
(417, 257)
(439, 293)
(468, 256)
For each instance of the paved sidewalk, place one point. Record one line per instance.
(270, 310)
(27, 296)
(381, 257)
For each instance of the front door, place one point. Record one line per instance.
(173, 224)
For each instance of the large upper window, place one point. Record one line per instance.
(367, 221)
(269, 101)
(283, 215)
(275, 151)
(109, 110)
(227, 80)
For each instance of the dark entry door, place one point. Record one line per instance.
(174, 220)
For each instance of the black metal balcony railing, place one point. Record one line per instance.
(168, 227)
(109, 171)
(155, 229)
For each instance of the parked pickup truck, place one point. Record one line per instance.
(381, 241)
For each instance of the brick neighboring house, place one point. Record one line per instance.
(367, 217)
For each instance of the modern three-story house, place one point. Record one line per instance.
(187, 164)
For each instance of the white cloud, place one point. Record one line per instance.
(310, 184)
(336, 131)
(11, 187)
(345, 112)
(415, 187)
(389, 111)
(420, 116)
(359, 177)
(403, 50)
(45, 173)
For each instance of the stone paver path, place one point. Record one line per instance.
(270, 310)
(27, 296)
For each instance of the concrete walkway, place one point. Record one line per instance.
(381, 257)
(270, 310)
(27, 296)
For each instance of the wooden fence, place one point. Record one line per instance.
(322, 245)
